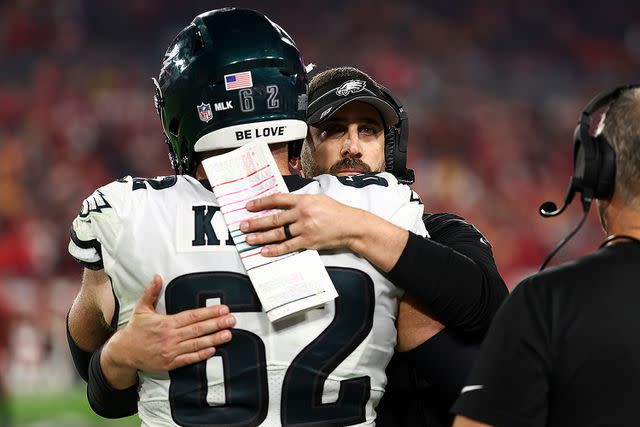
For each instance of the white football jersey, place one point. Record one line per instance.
(325, 366)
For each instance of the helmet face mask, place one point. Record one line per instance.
(231, 77)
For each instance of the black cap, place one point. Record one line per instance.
(330, 97)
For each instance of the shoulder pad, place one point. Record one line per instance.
(99, 222)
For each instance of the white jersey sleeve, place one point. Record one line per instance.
(98, 225)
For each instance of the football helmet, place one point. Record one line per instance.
(230, 77)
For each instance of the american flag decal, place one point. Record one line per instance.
(238, 80)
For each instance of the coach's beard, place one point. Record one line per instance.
(349, 165)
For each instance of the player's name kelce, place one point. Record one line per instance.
(260, 132)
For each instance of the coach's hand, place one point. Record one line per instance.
(316, 221)
(158, 342)
(307, 221)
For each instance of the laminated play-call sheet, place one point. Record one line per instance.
(286, 284)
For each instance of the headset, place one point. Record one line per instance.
(594, 165)
(396, 141)
(594, 162)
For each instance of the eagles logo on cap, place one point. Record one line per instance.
(351, 86)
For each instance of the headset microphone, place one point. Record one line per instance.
(549, 209)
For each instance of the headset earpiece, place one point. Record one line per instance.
(607, 169)
(578, 152)
(391, 136)
(594, 159)
(594, 166)
(396, 142)
(580, 165)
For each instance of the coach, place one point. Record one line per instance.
(564, 349)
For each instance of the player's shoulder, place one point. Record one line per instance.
(110, 208)
(108, 197)
(121, 193)
(445, 219)
(133, 187)
(376, 183)
(444, 223)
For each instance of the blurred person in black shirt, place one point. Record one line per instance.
(564, 349)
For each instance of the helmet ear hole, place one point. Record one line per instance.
(174, 127)
(198, 42)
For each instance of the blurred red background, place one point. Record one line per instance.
(493, 90)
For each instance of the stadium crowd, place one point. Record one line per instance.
(492, 90)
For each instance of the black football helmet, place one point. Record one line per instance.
(230, 77)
